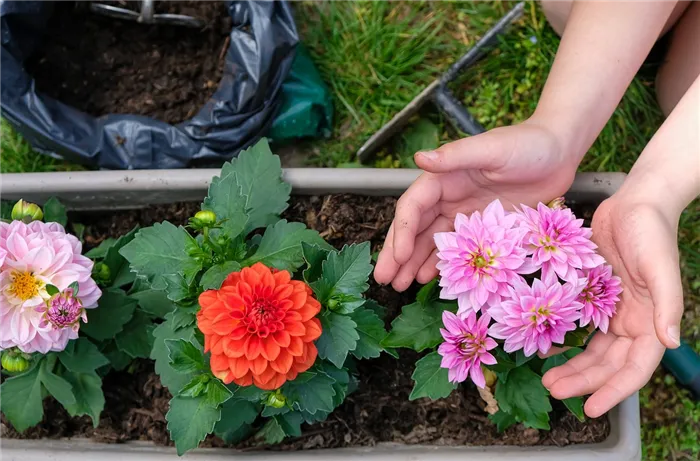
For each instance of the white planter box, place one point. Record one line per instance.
(130, 189)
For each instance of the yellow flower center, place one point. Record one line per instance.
(24, 285)
(480, 262)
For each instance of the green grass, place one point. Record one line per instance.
(377, 56)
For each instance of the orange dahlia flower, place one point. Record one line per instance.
(260, 327)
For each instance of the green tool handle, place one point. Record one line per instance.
(684, 364)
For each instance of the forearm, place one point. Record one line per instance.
(667, 173)
(602, 48)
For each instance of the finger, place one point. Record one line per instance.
(643, 358)
(425, 244)
(488, 150)
(592, 355)
(420, 199)
(553, 351)
(660, 269)
(428, 271)
(386, 268)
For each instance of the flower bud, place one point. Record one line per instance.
(490, 376)
(64, 310)
(14, 361)
(27, 212)
(205, 217)
(101, 272)
(333, 304)
(557, 204)
(276, 399)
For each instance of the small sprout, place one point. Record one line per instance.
(26, 212)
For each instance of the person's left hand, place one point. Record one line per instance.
(640, 243)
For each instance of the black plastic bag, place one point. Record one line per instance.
(259, 57)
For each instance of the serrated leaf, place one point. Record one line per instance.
(577, 338)
(118, 359)
(217, 393)
(314, 256)
(161, 250)
(100, 251)
(236, 415)
(341, 378)
(431, 379)
(21, 399)
(418, 326)
(281, 426)
(272, 411)
(170, 378)
(118, 266)
(196, 387)
(178, 289)
(280, 246)
(375, 307)
(344, 273)
(58, 387)
(54, 211)
(339, 337)
(574, 404)
(154, 302)
(183, 317)
(371, 330)
(82, 356)
(227, 201)
(504, 362)
(249, 393)
(422, 136)
(521, 359)
(184, 356)
(311, 395)
(259, 174)
(136, 339)
(89, 399)
(428, 292)
(190, 420)
(525, 398)
(215, 276)
(502, 420)
(114, 309)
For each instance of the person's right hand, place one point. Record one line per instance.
(525, 163)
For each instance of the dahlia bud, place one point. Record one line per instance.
(203, 219)
(64, 309)
(557, 204)
(489, 376)
(101, 272)
(276, 399)
(333, 304)
(26, 212)
(14, 361)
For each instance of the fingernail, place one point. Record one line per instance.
(430, 155)
(674, 333)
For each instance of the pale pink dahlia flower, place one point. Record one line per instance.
(466, 347)
(481, 258)
(536, 316)
(36, 255)
(557, 242)
(599, 296)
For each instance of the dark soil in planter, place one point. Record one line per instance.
(379, 411)
(103, 65)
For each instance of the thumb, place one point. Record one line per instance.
(489, 151)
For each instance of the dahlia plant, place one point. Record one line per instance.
(512, 285)
(268, 317)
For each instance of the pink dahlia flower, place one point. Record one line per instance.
(536, 316)
(466, 347)
(481, 258)
(557, 242)
(39, 254)
(599, 296)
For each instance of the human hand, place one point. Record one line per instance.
(524, 163)
(638, 239)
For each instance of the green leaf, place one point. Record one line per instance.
(418, 326)
(154, 302)
(89, 399)
(58, 387)
(280, 246)
(422, 136)
(190, 420)
(217, 393)
(236, 415)
(184, 356)
(227, 201)
(54, 211)
(373, 305)
(525, 398)
(196, 387)
(136, 339)
(178, 289)
(371, 330)
(82, 356)
(118, 359)
(314, 256)
(183, 316)
(21, 399)
(215, 276)
(249, 393)
(79, 231)
(521, 359)
(118, 265)
(272, 411)
(101, 250)
(502, 420)
(428, 292)
(114, 309)
(339, 337)
(259, 174)
(431, 379)
(162, 250)
(577, 338)
(311, 395)
(341, 378)
(281, 426)
(574, 404)
(172, 379)
(344, 273)
(52, 290)
(504, 362)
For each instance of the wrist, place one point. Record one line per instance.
(645, 189)
(569, 145)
